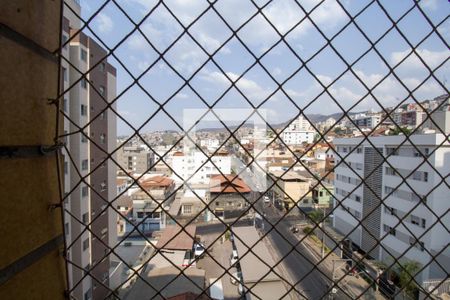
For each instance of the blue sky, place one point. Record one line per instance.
(161, 29)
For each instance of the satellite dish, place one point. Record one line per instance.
(333, 290)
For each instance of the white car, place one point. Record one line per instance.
(266, 199)
(199, 250)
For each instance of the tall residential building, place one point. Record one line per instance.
(420, 208)
(298, 132)
(83, 104)
(190, 164)
(366, 120)
(137, 159)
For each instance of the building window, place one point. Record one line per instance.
(392, 151)
(391, 171)
(66, 167)
(85, 218)
(102, 67)
(66, 228)
(83, 83)
(86, 269)
(187, 209)
(102, 115)
(83, 138)
(390, 210)
(84, 191)
(140, 214)
(83, 55)
(84, 164)
(64, 40)
(424, 222)
(65, 105)
(102, 90)
(64, 73)
(85, 244)
(88, 294)
(389, 229)
(357, 198)
(102, 138)
(83, 110)
(417, 244)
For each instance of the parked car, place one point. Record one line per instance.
(233, 258)
(199, 250)
(266, 199)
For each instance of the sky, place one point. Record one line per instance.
(301, 83)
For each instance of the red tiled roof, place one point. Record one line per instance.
(228, 184)
(178, 153)
(157, 181)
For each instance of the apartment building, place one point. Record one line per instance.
(83, 106)
(151, 201)
(292, 188)
(366, 120)
(136, 159)
(195, 164)
(229, 196)
(298, 132)
(382, 199)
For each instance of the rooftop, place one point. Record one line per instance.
(174, 238)
(228, 184)
(157, 181)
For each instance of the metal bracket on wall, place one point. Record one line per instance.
(28, 151)
(26, 42)
(27, 260)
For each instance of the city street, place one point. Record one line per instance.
(311, 282)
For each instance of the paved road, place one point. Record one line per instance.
(312, 283)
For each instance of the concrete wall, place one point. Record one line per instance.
(29, 76)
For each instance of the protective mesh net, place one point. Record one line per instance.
(385, 230)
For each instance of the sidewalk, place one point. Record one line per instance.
(351, 284)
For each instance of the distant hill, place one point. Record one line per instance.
(314, 118)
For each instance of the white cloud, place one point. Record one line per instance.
(143, 65)
(104, 23)
(431, 58)
(145, 4)
(429, 4)
(137, 42)
(250, 88)
(326, 80)
(277, 71)
(181, 96)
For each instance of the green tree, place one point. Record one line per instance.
(406, 272)
(316, 216)
(398, 130)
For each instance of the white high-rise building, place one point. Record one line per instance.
(188, 164)
(298, 132)
(382, 199)
(83, 105)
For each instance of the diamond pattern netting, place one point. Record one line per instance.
(260, 11)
